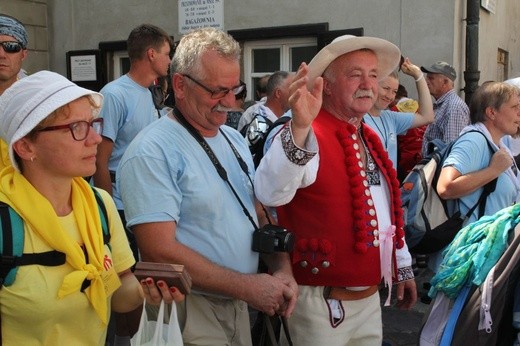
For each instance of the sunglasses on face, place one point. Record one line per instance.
(11, 46)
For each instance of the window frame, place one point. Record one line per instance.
(284, 44)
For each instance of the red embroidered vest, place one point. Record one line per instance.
(334, 219)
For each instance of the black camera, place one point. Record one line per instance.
(272, 238)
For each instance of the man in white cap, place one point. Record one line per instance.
(451, 112)
(339, 194)
(13, 51)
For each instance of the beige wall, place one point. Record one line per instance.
(500, 30)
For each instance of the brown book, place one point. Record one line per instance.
(173, 274)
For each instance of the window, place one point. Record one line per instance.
(121, 63)
(502, 61)
(267, 56)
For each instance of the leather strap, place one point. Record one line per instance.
(112, 176)
(341, 293)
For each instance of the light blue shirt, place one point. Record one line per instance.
(165, 175)
(470, 154)
(388, 125)
(127, 109)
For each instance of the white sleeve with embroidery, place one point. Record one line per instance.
(285, 168)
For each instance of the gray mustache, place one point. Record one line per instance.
(364, 93)
(220, 108)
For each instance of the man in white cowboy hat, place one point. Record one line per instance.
(339, 194)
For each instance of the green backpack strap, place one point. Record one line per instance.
(11, 247)
(11, 243)
(103, 214)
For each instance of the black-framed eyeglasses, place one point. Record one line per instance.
(11, 46)
(78, 129)
(218, 93)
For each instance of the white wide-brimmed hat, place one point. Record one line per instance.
(31, 99)
(388, 54)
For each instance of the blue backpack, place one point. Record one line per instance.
(430, 222)
(12, 242)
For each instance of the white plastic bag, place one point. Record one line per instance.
(157, 333)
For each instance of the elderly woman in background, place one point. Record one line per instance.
(471, 164)
(52, 132)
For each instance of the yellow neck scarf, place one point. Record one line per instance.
(37, 211)
(4, 154)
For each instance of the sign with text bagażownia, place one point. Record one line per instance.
(196, 14)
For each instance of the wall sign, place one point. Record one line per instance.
(489, 5)
(196, 14)
(84, 68)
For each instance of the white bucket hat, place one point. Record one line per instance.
(388, 55)
(31, 99)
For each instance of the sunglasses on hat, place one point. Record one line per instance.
(11, 46)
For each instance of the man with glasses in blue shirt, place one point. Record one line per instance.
(187, 186)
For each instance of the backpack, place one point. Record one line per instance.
(254, 132)
(485, 310)
(430, 222)
(12, 243)
(258, 150)
(489, 313)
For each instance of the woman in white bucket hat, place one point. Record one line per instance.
(51, 127)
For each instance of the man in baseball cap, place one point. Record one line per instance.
(451, 112)
(443, 68)
(335, 188)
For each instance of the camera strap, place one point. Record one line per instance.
(213, 158)
(223, 174)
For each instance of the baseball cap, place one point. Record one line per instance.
(443, 68)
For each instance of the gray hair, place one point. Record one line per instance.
(192, 46)
(275, 81)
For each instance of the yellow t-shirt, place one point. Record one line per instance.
(31, 312)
